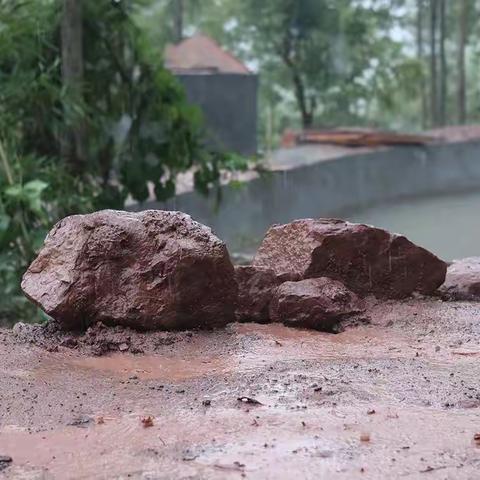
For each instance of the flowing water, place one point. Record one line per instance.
(448, 226)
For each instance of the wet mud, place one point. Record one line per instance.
(396, 397)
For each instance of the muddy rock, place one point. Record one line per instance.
(318, 303)
(146, 270)
(97, 340)
(256, 286)
(366, 259)
(463, 280)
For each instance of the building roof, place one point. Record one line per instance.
(201, 54)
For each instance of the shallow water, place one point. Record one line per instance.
(449, 226)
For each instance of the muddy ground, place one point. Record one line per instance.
(396, 398)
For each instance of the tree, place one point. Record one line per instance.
(114, 92)
(442, 100)
(462, 40)
(319, 47)
(73, 144)
(54, 94)
(178, 20)
(421, 58)
(433, 63)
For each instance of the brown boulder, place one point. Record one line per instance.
(318, 303)
(255, 290)
(463, 280)
(366, 259)
(146, 270)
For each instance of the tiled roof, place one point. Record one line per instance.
(201, 54)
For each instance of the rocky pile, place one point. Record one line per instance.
(162, 270)
(147, 270)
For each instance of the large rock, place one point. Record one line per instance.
(318, 303)
(255, 290)
(147, 270)
(366, 259)
(463, 280)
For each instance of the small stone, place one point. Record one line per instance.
(69, 342)
(147, 422)
(83, 421)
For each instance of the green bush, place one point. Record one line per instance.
(138, 128)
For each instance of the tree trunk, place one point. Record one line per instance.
(433, 63)
(461, 85)
(178, 20)
(73, 144)
(421, 59)
(286, 51)
(306, 113)
(442, 101)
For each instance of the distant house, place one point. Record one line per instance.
(222, 86)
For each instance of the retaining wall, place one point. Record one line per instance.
(331, 188)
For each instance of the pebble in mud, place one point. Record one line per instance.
(82, 421)
(5, 462)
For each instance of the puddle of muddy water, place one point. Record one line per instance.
(355, 343)
(150, 367)
(251, 346)
(260, 344)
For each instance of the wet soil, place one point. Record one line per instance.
(398, 397)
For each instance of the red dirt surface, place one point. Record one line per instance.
(395, 398)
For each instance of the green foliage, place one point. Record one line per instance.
(326, 50)
(139, 130)
(357, 61)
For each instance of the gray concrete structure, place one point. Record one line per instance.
(228, 102)
(331, 186)
(222, 86)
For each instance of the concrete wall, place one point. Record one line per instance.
(332, 188)
(229, 104)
